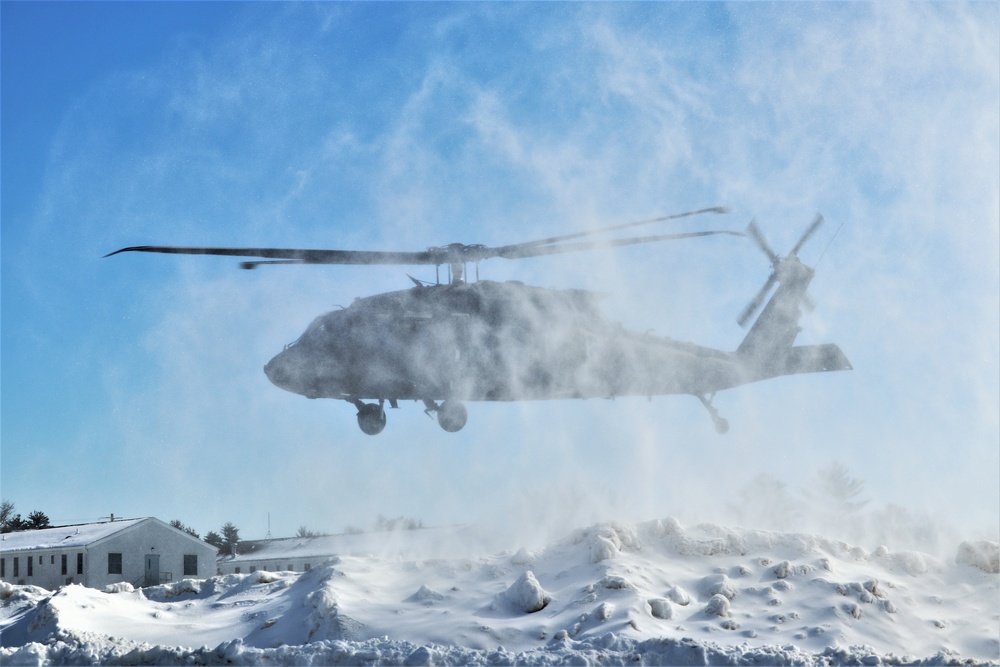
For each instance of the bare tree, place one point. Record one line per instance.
(6, 513)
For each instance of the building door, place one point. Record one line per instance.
(152, 570)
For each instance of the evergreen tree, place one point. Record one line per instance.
(10, 521)
(230, 537)
(187, 529)
(305, 532)
(840, 489)
(214, 539)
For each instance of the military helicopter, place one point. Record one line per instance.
(447, 343)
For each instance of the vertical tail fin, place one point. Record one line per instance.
(775, 330)
(767, 349)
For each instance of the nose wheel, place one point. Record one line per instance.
(721, 424)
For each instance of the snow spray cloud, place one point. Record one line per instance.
(300, 129)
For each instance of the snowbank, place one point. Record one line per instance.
(984, 555)
(610, 594)
(526, 595)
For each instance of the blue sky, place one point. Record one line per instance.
(133, 385)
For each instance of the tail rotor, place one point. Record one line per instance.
(784, 269)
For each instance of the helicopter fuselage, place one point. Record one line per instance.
(490, 341)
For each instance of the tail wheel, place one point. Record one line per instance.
(721, 425)
(452, 416)
(371, 418)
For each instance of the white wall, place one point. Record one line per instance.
(148, 537)
(46, 567)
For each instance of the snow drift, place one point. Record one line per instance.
(611, 594)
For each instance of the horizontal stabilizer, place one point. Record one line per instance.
(803, 359)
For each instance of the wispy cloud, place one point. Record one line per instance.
(500, 124)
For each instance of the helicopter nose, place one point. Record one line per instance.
(278, 372)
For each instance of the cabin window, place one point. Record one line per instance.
(114, 563)
(308, 567)
(253, 568)
(39, 560)
(191, 565)
(17, 566)
(3, 568)
(237, 570)
(290, 568)
(52, 559)
(79, 564)
(64, 563)
(31, 571)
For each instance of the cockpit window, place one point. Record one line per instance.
(320, 327)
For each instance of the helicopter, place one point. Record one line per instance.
(457, 341)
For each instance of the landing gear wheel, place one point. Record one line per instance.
(452, 416)
(371, 418)
(721, 426)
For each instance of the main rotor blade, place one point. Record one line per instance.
(754, 231)
(603, 230)
(809, 232)
(519, 252)
(755, 303)
(433, 256)
(302, 256)
(453, 253)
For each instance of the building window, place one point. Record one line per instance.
(237, 570)
(253, 568)
(17, 566)
(308, 567)
(290, 568)
(30, 569)
(114, 563)
(52, 559)
(39, 560)
(64, 563)
(79, 563)
(191, 566)
(3, 568)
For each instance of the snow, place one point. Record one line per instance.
(655, 593)
(64, 537)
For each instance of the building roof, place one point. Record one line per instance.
(63, 537)
(421, 543)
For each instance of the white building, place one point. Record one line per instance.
(142, 552)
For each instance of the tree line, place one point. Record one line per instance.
(10, 521)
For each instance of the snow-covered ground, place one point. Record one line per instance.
(655, 593)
